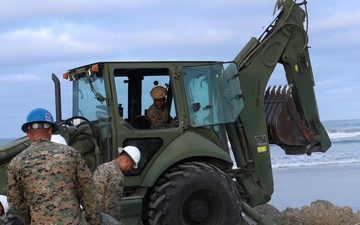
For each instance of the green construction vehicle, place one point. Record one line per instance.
(214, 165)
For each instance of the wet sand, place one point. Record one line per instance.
(299, 186)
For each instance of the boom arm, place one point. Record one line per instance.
(285, 42)
(286, 116)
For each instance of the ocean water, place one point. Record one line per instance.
(4, 141)
(345, 149)
(332, 176)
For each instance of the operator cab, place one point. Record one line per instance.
(133, 88)
(112, 99)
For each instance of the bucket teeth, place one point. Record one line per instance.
(285, 126)
(278, 89)
(273, 89)
(267, 91)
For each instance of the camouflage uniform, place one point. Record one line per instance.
(47, 182)
(160, 117)
(109, 183)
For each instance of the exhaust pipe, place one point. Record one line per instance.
(57, 98)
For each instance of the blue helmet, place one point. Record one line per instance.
(39, 118)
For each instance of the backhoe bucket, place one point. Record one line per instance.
(285, 126)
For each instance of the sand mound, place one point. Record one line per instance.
(319, 212)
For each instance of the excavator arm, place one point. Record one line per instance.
(290, 110)
(285, 115)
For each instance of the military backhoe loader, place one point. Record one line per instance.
(214, 165)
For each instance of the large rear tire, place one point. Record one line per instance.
(195, 193)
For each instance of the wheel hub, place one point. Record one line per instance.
(198, 211)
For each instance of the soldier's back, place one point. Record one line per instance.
(47, 174)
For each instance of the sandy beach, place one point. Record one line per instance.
(299, 186)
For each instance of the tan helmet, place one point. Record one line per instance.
(158, 92)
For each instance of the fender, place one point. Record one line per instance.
(196, 147)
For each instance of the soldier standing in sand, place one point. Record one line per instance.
(47, 182)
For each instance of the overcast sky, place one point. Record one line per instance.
(43, 37)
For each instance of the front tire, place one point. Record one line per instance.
(194, 193)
